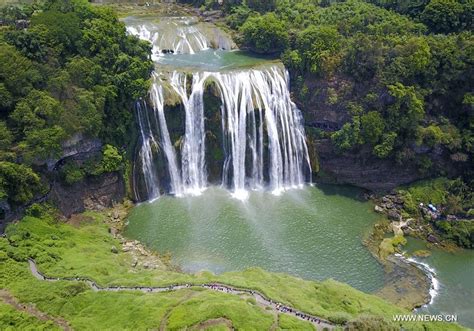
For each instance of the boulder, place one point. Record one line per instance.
(432, 238)
(379, 209)
(394, 215)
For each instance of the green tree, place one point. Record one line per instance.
(63, 30)
(111, 159)
(372, 127)
(384, 149)
(37, 110)
(405, 113)
(349, 135)
(41, 144)
(17, 73)
(19, 182)
(443, 15)
(317, 46)
(261, 6)
(265, 34)
(6, 99)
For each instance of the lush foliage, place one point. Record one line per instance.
(72, 72)
(265, 34)
(451, 197)
(405, 79)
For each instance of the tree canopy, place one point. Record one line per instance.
(73, 70)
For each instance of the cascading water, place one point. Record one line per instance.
(254, 102)
(193, 164)
(266, 93)
(146, 152)
(159, 115)
(263, 136)
(179, 35)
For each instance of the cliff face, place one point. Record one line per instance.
(361, 169)
(93, 193)
(324, 105)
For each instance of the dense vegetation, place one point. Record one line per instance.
(451, 197)
(401, 70)
(67, 69)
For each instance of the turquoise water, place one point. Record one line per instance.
(314, 233)
(212, 60)
(455, 273)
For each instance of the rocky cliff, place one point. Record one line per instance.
(94, 193)
(325, 104)
(361, 169)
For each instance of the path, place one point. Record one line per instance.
(261, 300)
(6, 297)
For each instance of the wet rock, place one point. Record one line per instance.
(432, 238)
(378, 209)
(388, 205)
(394, 215)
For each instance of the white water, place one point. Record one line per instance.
(252, 100)
(264, 139)
(180, 35)
(193, 164)
(256, 109)
(158, 107)
(146, 152)
(429, 271)
(180, 39)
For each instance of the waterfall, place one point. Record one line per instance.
(258, 120)
(193, 165)
(177, 39)
(146, 152)
(158, 107)
(262, 133)
(266, 93)
(179, 35)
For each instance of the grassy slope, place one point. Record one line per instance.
(11, 319)
(85, 250)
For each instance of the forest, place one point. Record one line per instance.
(164, 164)
(73, 73)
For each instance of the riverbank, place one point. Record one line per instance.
(87, 248)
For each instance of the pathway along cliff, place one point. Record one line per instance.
(261, 300)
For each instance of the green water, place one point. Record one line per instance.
(213, 60)
(455, 273)
(314, 233)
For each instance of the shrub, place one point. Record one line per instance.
(265, 34)
(111, 159)
(339, 317)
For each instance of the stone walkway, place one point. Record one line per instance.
(261, 300)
